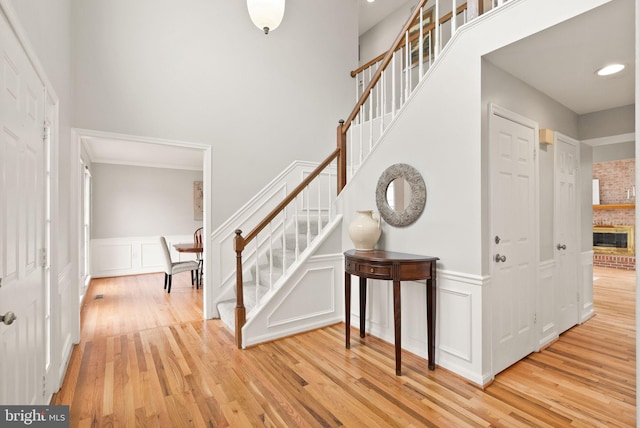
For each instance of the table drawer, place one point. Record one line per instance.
(374, 270)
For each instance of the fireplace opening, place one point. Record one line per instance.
(613, 240)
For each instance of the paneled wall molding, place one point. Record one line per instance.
(66, 292)
(311, 299)
(546, 310)
(133, 255)
(459, 320)
(463, 277)
(586, 294)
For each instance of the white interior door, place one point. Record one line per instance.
(566, 223)
(513, 208)
(22, 342)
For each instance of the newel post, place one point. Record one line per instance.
(241, 311)
(342, 156)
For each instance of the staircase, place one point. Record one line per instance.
(272, 287)
(266, 276)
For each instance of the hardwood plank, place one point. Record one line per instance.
(147, 359)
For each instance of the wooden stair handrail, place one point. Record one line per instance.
(426, 29)
(240, 242)
(290, 197)
(383, 65)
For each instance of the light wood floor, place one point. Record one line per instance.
(147, 359)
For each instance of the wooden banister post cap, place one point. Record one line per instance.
(238, 241)
(341, 122)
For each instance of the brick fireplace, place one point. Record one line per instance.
(614, 217)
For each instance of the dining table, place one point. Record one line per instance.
(193, 248)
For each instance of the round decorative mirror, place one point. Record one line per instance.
(400, 195)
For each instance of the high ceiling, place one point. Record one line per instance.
(369, 14)
(560, 62)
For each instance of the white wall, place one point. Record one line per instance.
(605, 123)
(201, 71)
(617, 151)
(379, 38)
(130, 201)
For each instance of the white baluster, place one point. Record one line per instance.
(393, 85)
(436, 48)
(358, 86)
(379, 98)
(330, 199)
(420, 47)
(257, 267)
(308, 199)
(361, 136)
(370, 99)
(453, 17)
(297, 231)
(383, 98)
(407, 66)
(350, 145)
(370, 119)
(284, 245)
(430, 49)
(270, 255)
(319, 204)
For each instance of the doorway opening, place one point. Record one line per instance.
(127, 244)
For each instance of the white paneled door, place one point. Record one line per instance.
(512, 192)
(22, 204)
(566, 223)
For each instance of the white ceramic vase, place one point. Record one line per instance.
(365, 231)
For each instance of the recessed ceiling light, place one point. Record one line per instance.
(610, 69)
(370, 1)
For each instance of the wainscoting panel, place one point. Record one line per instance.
(458, 322)
(311, 299)
(546, 308)
(307, 299)
(586, 280)
(456, 337)
(133, 255)
(69, 323)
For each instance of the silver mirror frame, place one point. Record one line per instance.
(418, 195)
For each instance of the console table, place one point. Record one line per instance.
(396, 267)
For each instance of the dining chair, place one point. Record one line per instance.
(171, 267)
(197, 241)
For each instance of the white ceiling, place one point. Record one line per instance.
(559, 62)
(136, 153)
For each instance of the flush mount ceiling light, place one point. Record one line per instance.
(370, 1)
(266, 14)
(610, 69)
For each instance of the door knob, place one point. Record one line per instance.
(561, 247)
(498, 258)
(8, 318)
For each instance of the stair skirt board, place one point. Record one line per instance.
(268, 298)
(310, 298)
